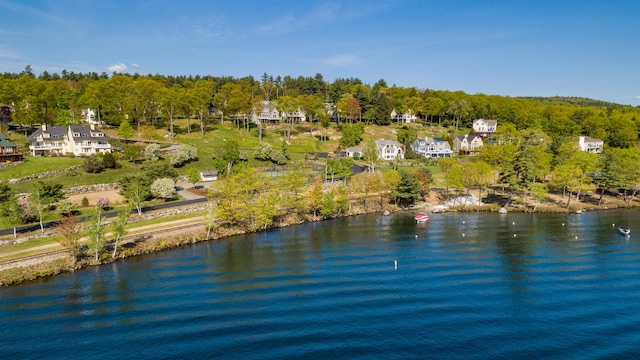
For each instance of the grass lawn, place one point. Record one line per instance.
(38, 164)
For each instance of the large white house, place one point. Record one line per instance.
(432, 147)
(389, 149)
(78, 140)
(590, 144)
(485, 127)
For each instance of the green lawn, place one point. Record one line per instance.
(38, 164)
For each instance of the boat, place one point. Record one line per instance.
(623, 230)
(421, 217)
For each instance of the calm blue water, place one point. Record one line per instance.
(471, 285)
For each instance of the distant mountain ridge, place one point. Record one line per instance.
(572, 100)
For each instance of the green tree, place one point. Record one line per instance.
(119, 228)
(136, 189)
(407, 191)
(193, 176)
(109, 161)
(539, 192)
(125, 130)
(370, 154)
(228, 154)
(315, 198)
(69, 232)
(95, 228)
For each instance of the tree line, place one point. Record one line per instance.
(156, 100)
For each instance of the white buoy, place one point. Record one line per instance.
(514, 235)
(562, 224)
(576, 237)
(462, 234)
(396, 264)
(464, 222)
(513, 223)
(416, 236)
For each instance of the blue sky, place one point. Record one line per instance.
(513, 48)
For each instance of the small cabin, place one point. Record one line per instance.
(209, 175)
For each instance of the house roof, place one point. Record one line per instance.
(353, 149)
(5, 143)
(381, 143)
(488, 122)
(592, 140)
(86, 131)
(209, 173)
(468, 137)
(60, 131)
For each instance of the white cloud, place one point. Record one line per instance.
(638, 97)
(135, 65)
(119, 67)
(341, 60)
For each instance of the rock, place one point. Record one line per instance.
(386, 213)
(502, 210)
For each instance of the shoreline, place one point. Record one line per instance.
(176, 236)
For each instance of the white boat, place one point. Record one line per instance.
(623, 230)
(421, 217)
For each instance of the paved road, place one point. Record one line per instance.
(36, 227)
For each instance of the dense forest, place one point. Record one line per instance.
(58, 99)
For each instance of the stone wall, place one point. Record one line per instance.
(90, 188)
(43, 175)
(5, 165)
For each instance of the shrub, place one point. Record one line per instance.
(85, 201)
(184, 154)
(164, 188)
(152, 152)
(109, 161)
(92, 164)
(263, 152)
(102, 202)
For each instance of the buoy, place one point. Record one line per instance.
(464, 222)
(513, 223)
(462, 234)
(514, 235)
(396, 264)
(416, 236)
(562, 224)
(576, 237)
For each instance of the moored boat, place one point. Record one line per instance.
(623, 230)
(421, 217)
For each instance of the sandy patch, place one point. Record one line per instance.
(112, 195)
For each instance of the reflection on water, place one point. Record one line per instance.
(471, 285)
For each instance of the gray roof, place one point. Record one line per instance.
(56, 132)
(86, 132)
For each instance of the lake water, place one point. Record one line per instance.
(467, 285)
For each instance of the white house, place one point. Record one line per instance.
(352, 152)
(590, 144)
(79, 140)
(485, 127)
(467, 143)
(405, 118)
(90, 117)
(211, 175)
(432, 147)
(389, 149)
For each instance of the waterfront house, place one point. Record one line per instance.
(485, 127)
(590, 144)
(389, 149)
(8, 152)
(467, 144)
(432, 147)
(78, 140)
